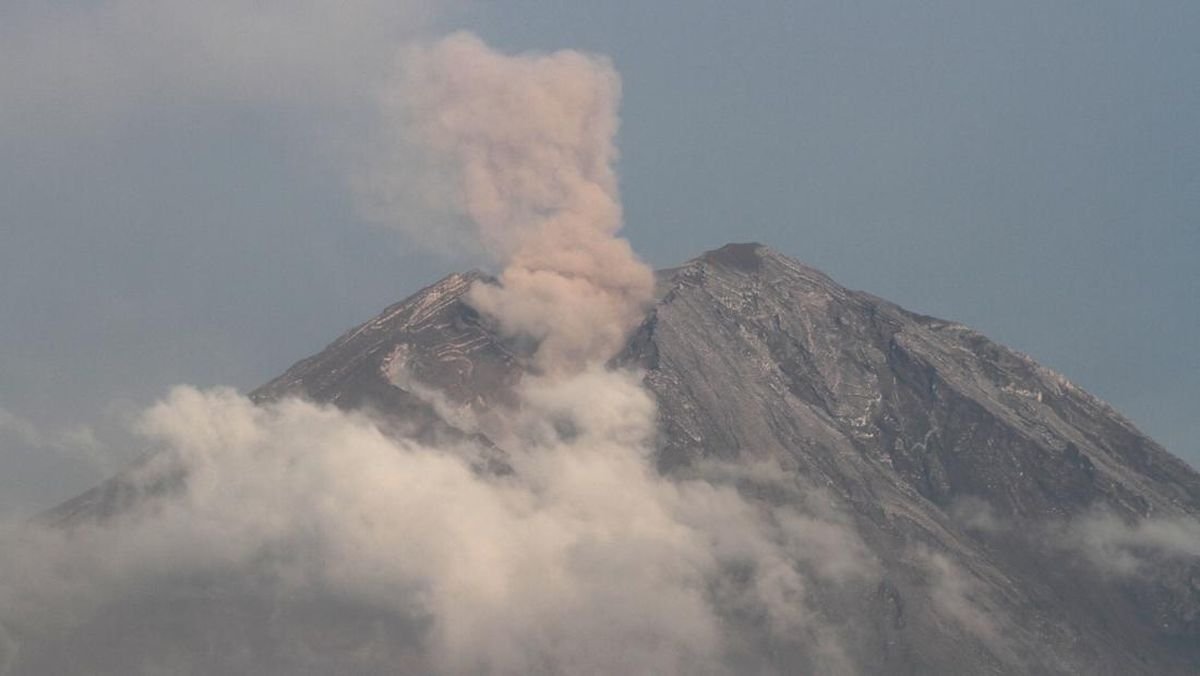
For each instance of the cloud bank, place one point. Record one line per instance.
(583, 559)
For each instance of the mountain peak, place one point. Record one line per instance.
(930, 442)
(740, 267)
(743, 256)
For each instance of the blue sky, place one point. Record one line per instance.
(174, 200)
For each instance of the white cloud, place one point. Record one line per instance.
(583, 559)
(958, 597)
(1119, 547)
(77, 442)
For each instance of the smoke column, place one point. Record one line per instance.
(527, 144)
(403, 556)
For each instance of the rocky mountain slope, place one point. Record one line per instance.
(1013, 522)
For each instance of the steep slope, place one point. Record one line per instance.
(1013, 523)
(935, 437)
(949, 451)
(946, 410)
(431, 342)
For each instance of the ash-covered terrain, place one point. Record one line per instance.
(954, 506)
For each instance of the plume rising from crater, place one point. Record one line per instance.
(801, 478)
(521, 150)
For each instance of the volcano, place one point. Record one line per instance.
(1015, 523)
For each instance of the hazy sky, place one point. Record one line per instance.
(174, 200)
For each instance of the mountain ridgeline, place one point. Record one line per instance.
(1013, 523)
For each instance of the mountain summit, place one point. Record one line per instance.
(1010, 522)
(753, 355)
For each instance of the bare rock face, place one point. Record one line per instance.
(991, 493)
(942, 444)
(745, 331)
(432, 342)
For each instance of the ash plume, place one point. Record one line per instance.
(522, 149)
(582, 558)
